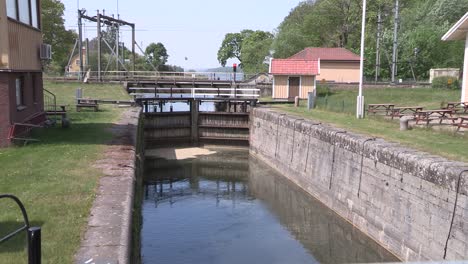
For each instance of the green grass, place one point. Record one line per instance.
(345, 101)
(446, 144)
(54, 178)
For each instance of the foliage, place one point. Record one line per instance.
(55, 34)
(232, 46)
(337, 23)
(445, 82)
(249, 47)
(323, 90)
(255, 48)
(156, 54)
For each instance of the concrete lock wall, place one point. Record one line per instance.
(412, 203)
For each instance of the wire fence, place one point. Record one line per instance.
(338, 105)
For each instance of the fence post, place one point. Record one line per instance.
(311, 101)
(34, 245)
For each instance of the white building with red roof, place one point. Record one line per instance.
(297, 75)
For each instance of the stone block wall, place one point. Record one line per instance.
(412, 203)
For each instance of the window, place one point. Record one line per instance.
(25, 11)
(34, 86)
(77, 62)
(12, 9)
(19, 82)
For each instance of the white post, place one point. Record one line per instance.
(360, 98)
(465, 73)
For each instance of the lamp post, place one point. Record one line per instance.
(360, 98)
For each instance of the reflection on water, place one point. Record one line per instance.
(231, 208)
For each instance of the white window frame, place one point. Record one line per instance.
(18, 13)
(19, 92)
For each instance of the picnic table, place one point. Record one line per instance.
(462, 105)
(403, 110)
(87, 103)
(439, 114)
(376, 108)
(463, 123)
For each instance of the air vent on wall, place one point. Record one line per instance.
(46, 52)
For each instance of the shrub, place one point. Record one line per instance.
(323, 90)
(446, 82)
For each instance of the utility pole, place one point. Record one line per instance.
(99, 44)
(87, 53)
(133, 45)
(80, 43)
(379, 36)
(395, 41)
(117, 46)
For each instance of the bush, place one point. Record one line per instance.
(323, 90)
(446, 82)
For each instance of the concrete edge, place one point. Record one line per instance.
(108, 237)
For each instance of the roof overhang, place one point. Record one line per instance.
(458, 31)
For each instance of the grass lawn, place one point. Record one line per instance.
(447, 144)
(54, 178)
(345, 100)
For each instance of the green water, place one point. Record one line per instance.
(229, 207)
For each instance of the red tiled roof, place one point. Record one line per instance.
(326, 54)
(294, 67)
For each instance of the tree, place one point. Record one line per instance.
(255, 48)
(232, 46)
(55, 34)
(156, 54)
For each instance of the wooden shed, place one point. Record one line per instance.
(459, 32)
(337, 65)
(292, 77)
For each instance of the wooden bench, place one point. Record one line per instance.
(380, 108)
(430, 115)
(87, 103)
(458, 106)
(463, 123)
(404, 110)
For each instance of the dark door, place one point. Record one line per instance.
(294, 83)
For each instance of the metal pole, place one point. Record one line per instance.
(133, 46)
(80, 43)
(395, 41)
(87, 53)
(360, 98)
(34, 245)
(377, 55)
(99, 44)
(117, 39)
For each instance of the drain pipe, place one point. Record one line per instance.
(333, 160)
(362, 162)
(454, 211)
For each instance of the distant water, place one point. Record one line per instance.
(231, 208)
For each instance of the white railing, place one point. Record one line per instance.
(195, 92)
(151, 75)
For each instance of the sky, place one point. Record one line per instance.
(188, 29)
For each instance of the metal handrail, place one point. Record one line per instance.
(54, 99)
(34, 233)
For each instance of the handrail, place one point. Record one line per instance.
(54, 99)
(23, 211)
(34, 233)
